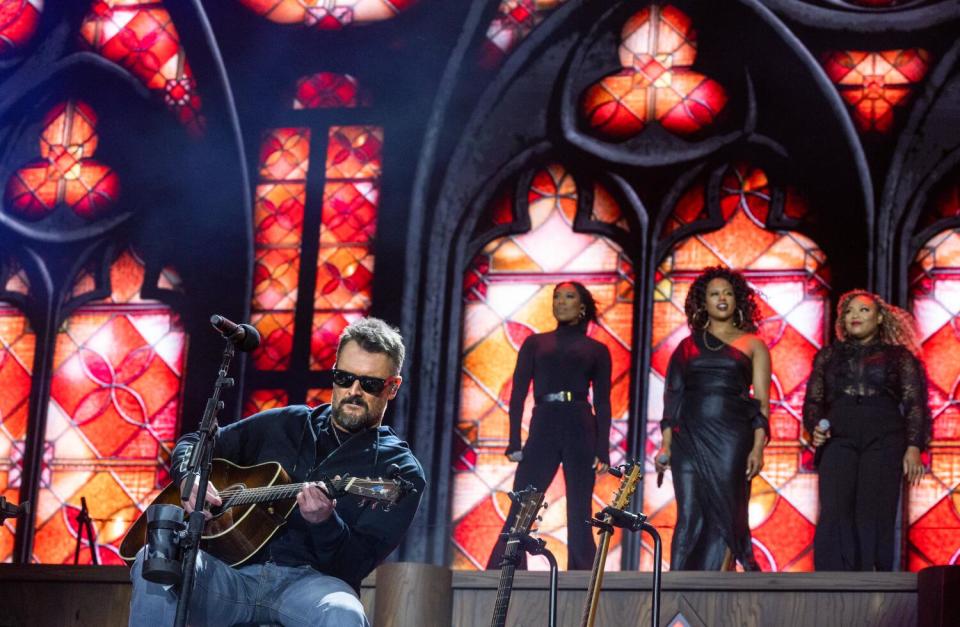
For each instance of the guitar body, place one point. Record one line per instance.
(236, 534)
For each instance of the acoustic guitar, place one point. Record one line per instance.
(531, 501)
(628, 485)
(256, 503)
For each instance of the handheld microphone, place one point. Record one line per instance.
(244, 336)
(661, 459)
(824, 425)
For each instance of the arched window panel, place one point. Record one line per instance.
(112, 417)
(19, 20)
(140, 36)
(328, 90)
(507, 297)
(933, 510)
(17, 346)
(515, 19)
(281, 195)
(656, 84)
(789, 272)
(875, 84)
(351, 197)
(327, 14)
(67, 173)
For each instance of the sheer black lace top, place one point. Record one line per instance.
(875, 370)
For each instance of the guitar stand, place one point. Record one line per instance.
(538, 546)
(637, 522)
(85, 526)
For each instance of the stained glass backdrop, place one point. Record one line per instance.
(112, 417)
(507, 297)
(934, 509)
(789, 271)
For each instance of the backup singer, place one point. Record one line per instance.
(309, 572)
(713, 432)
(564, 430)
(872, 389)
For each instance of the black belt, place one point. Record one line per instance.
(562, 397)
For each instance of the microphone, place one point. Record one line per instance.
(662, 459)
(244, 336)
(9, 510)
(823, 425)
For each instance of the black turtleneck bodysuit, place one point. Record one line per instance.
(571, 433)
(875, 398)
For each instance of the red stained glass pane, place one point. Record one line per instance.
(18, 24)
(326, 333)
(790, 274)
(934, 532)
(329, 15)
(278, 237)
(515, 19)
(17, 345)
(262, 400)
(113, 414)
(344, 278)
(354, 152)
(656, 82)
(142, 38)
(326, 90)
(874, 83)
(507, 297)
(67, 172)
(349, 212)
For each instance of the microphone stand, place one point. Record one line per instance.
(201, 459)
(538, 546)
(638, 522)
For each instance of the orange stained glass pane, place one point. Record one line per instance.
(112, 418)
(17, 345)
(327, 90)
(262, 400)
(278, 239)
(354, 152)
(278, 214)
(344, 278)
(67, 172)
(933, 510)
(327, 14)
(515, 19)
(349, 212)
(790, 274)
(18, 281)
(19, 20)
(142, 38)
(656, 82)
(874, 83)
(502, 308)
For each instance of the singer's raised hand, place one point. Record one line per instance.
(213, 497)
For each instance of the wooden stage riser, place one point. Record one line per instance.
(90, 596)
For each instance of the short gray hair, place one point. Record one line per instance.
(375, 336)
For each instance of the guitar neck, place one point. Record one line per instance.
(267, 494)
(503, 595)
(596, 580)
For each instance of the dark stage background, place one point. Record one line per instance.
(440, 164)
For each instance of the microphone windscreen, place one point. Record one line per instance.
(824, 424)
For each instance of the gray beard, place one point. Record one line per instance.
(352, 422)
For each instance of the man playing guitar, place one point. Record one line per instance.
(309, 571)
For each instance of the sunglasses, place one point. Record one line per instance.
(370, 385)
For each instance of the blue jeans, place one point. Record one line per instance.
(223, 596)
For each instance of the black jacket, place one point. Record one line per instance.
(356, 538)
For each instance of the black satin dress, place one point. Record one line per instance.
(707, 404)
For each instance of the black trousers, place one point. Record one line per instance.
(861, 471)
(560, 433)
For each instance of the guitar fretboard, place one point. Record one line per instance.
(352, 485)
